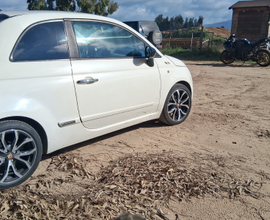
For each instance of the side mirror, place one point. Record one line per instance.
(150, 53)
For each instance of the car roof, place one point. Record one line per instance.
(48, 12)
(20, 20)
(39, 15)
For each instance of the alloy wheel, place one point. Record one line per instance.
(178, 105)
(18, 152)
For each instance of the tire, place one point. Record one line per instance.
(177, 105)
(155, 37)
(20, 152)
(226, 58)
(263, 57)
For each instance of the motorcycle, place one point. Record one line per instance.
(242, 49)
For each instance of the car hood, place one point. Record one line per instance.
(175, 61)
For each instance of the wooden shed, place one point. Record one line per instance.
(251, 19)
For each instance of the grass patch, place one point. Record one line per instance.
(206, 54)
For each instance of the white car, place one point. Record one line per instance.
(66, 77)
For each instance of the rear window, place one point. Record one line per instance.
(45, 41)
(3, 17)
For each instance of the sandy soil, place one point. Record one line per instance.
(227, 134)
(222, 32)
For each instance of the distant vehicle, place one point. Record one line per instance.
(67, 77)
(242, 49)
(149, 29)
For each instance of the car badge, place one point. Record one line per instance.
(10, 156)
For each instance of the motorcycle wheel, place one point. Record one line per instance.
(263, 57)
(226, 57)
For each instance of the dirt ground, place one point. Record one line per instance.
(221, 151)
(221, 32)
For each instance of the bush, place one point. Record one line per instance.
(206, 54)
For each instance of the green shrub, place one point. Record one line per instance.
(207, 54)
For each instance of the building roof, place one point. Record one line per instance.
(251, 4)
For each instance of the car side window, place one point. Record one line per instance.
(101, 40)
(46, 41)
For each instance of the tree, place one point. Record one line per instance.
(185, 24)
(172, 23)
(98, 7)
(159, 19)
(200, 20)
(177, 22)
(191, 23)
(163, 23)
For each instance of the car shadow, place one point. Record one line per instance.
(148, 124)
(229, 65)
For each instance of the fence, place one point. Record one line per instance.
(180, 39)
(181, 42)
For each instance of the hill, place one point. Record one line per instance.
(226, 24)
(220, 32)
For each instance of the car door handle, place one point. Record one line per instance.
(87, 81)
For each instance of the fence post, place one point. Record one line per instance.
(191, 42)
(201, 38)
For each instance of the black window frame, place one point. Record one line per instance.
(3, 17)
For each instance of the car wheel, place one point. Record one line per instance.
(177, 105)
(20, 152)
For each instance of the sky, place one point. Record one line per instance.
(213, 11)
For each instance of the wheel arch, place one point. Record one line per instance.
(40, 130)
(183, 82)
(187, 85)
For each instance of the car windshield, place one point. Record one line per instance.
(3, 17)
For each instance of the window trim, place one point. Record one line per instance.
(71, 38)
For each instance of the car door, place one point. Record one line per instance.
(113, 82)
(40, 63)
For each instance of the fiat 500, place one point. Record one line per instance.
(67, 77)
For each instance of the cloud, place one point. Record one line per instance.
(212, 10)
(13, 5)
(134, 12)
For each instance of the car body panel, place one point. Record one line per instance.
(45, 95)
(126, 88)
(170, 74)
(128, 91)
